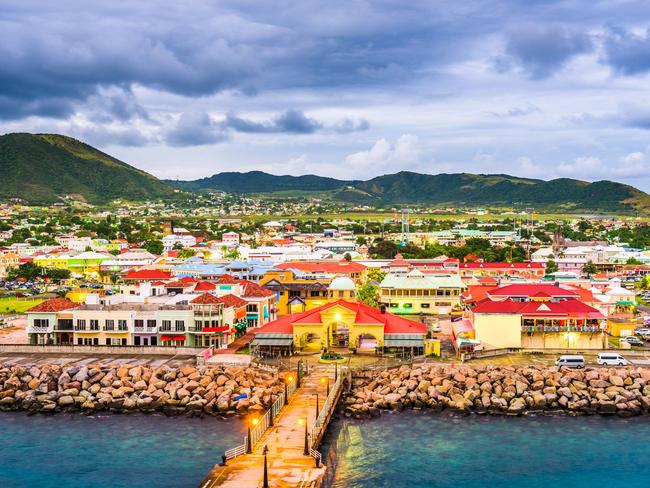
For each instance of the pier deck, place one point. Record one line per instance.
(285, 440)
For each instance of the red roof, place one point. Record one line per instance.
(564, 308)
(148, 274)
(336, 267)
(399, 262)
(231, 300)
(226, 279)
(188, 279)
(54, 305)
(178, 284)
(481, 265)
(207, 299)
(530, 290)
(204, 286)
(488, 280)
(252, 289)
(365, 314)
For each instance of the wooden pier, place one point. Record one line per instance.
(290, 438)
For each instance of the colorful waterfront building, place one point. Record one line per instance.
(419, 293)
(296, 291)
(51, 322)
(342, 323)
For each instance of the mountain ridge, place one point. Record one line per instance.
(407, 187)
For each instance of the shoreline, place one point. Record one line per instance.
(187, 390)
(500, 390)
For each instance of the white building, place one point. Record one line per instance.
(172, 240)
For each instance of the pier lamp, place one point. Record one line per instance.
(306, 450)
(286, 394)
(249, 444)
(317, 406)
(326, 380)
(266, 469)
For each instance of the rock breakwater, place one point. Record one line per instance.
(501, 390)
(203, 390)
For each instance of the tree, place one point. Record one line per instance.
(186, 253)
(177, 246)
(28, 271)
(347, 256)
(154, 246)
(57, 274)
(368, 294)
(551, 266)
(590, 268)
(375, 274)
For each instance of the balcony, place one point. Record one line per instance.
(560, 328)
(116, 330)
(172, 329)
(35, 329)
(145, 328)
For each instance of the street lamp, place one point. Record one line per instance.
(266, 469)
(286, 392)
(249, 444)
(306, 450)
(317, 406)
(326, 379)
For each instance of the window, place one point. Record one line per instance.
(166, 325)
(408, 305)
(139, 324)
(393, 305)
(151, 323)
(180, 325)
(121, 325)
(109, 325)
(41, 323)
(251, 307)
(425, 305)
(81, 324)
(94, 324)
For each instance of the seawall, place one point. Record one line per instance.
(501, 390)
(203, 390)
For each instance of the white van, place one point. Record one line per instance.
(611, 359)
(567, 361)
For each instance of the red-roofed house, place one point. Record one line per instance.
(341, 323)
(351, 269)
(148, 275)
(470, 271)
(541, 322)
(51, 322)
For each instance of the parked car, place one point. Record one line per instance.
(569, 361)
(633, 341)
(611, 359)
(435, 328)
(644, 332)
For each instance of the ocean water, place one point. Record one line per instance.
(111, 451)
(420, 449)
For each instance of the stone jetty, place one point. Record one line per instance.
(197, 391)
(501, 390)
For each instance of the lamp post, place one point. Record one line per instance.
(306, 451)
(326, 380)
(317, 406)
(266, 469)
(336, 372)
(249, 443)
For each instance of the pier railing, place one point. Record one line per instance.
(261, 426)
(320, 424)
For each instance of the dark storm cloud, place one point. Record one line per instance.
(542, 50)
(291, 121)
(194, 129)
(626, 52)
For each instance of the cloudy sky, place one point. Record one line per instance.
(351, 89)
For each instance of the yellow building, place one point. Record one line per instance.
(294, 292)
(536, 324)
(342, 323)
(8, 260)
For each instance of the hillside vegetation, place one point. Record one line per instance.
(41, 168)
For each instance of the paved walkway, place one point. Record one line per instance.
(287, 465)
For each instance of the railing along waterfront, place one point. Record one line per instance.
(260, 427)
(320, 422)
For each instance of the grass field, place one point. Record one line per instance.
(379, 216)
(17, 305)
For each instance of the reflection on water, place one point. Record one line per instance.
(416, 449)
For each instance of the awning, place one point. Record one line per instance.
(271, 342)
(225, 328)
(403, 340)
(272, 339)
(172, 338)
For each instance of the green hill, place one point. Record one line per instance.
(41, 168)
(406, 188)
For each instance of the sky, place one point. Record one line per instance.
(350, 89)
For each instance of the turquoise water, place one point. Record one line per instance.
(417, 449)
(111, 451)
